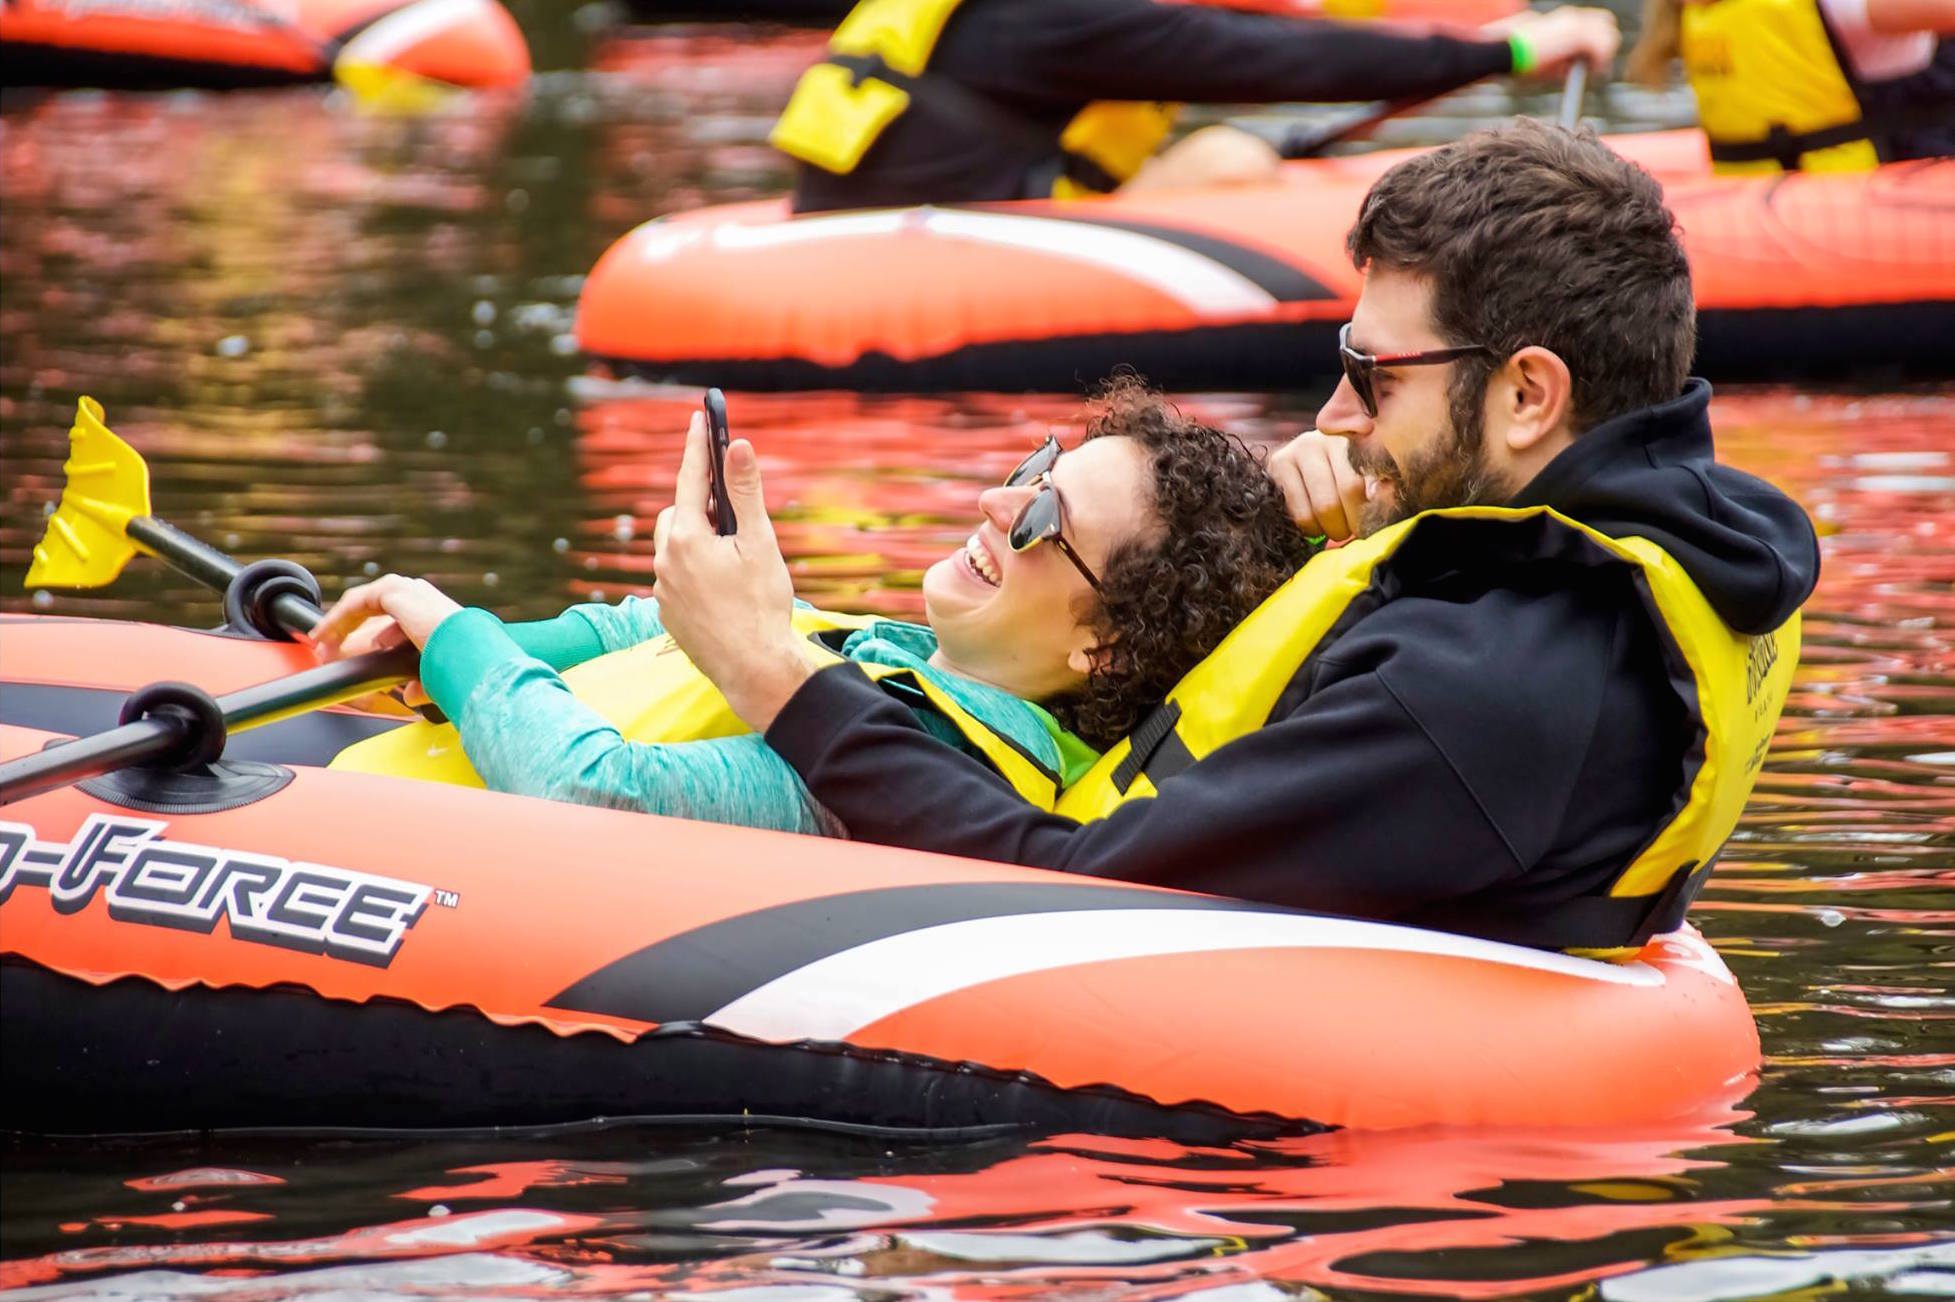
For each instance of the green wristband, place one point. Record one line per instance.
(1525, 60)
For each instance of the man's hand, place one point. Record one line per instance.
(1561, 36)
(1324, 494)
(728, 602)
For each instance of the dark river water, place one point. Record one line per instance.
(345, 339)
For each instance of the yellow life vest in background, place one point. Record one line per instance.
(1772, 94)
(652, 693)
(1734, 690)
(877, 67)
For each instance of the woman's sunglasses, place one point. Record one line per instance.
(1043, 518)
(1362, 368)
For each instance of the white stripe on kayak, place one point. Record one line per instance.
(834, 997)
(810, 230)
(1194, 280)
(406, 27)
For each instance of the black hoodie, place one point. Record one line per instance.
(1500, 741)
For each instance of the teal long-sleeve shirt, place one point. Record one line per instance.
(526, 733)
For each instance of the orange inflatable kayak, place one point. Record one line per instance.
(1805, 277)
(140, 43)
(273, 944)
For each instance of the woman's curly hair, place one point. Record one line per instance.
(1225, 543)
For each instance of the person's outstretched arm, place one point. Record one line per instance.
(1068, 50)
(587, 631)
(527, 734)
(1899, 17)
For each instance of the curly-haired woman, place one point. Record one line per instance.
(1095, 579)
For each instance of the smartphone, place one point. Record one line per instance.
(717, 438)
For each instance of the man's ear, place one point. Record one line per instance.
(1537, 392)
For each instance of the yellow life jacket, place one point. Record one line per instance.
(877, 67)
(1733, 686)
(1772, 94)
(652, 693)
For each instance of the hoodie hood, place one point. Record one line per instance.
(1653, 474)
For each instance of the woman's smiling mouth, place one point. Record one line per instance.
(977, 559)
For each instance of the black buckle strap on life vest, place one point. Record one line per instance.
(952, 100)
(1077, 168)
(1786, 149)
(1154, 749)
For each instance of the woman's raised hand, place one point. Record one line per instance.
(729, 601)
(379, 615)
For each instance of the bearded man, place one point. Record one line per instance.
(1529, 699)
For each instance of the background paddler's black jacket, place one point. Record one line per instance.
(1502, 742)
(1044, 60)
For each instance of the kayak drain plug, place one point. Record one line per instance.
(204, 729)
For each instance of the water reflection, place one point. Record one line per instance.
(341, 339)
(615, 1212)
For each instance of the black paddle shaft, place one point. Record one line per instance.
(167, 734)
(1311, 140)
(1308, 141)
(263, 597)
(212, 568)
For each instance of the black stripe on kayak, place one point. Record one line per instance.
(311, 738)
(1290, 355)
(1279, 279)
(25, 65)
(78, 1058)
(807, 13)
(688, 977)
(1875, 343)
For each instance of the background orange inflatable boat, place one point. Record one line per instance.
(136, 43)
(1804, 276)
(278, 945)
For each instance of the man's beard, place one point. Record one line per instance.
(1451, 471)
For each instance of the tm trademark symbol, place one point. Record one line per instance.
(447, 899)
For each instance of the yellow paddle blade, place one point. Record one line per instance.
(380, 88)
(87, 540)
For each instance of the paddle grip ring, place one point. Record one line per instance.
(250, 596)
(203, 720)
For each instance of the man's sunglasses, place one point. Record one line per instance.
(1043, 518)
(1362, 368)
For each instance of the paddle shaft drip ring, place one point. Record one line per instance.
(202, 717)
(253, 596)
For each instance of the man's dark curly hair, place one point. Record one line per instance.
(1225, 543)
